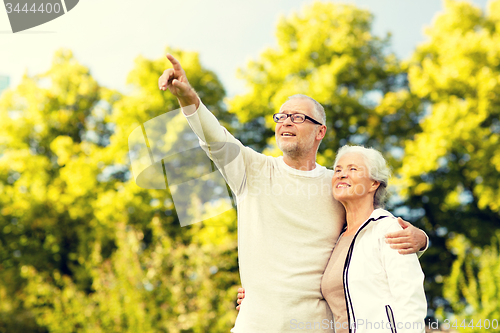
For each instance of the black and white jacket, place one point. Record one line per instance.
(383, 289)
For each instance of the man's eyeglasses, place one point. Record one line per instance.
(297, 118)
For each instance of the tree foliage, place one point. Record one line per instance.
(450, 170)
(327, 51)
(83, 247)
(473, 285)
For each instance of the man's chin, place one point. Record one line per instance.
(290, 150)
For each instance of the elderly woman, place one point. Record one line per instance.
(368, 286)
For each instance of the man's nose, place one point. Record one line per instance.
(288, 121)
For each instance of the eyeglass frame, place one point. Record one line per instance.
(306, 117)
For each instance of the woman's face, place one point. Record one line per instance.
(351, 180)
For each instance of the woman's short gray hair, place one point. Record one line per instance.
(378, 169)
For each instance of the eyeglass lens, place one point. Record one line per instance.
(296, 117)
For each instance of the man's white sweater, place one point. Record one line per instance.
(288, 223)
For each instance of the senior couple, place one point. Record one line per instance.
(309, 260)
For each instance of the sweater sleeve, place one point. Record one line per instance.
(229, 155)
(405, 279)
(419, 253)
(206, 126)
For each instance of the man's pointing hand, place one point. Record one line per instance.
(175, 80)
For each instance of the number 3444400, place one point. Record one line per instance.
(35, 8)
(478, 323)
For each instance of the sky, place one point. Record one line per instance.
(107, 35)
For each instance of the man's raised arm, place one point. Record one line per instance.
(220, 146)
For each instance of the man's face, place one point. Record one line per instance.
(293, 139)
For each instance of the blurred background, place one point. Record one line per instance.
(84, 249)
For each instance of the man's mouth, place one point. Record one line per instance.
(287, 134)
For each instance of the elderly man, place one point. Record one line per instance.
(288, 221)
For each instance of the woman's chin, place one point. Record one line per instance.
(341, 197)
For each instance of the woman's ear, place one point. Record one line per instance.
(375, 186)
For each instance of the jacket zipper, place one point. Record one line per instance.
(390, 317)
(347, 295)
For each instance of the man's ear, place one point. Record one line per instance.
(321, 133)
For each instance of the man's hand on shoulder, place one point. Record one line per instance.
(175, 80)
(406, 241)
(241, 296)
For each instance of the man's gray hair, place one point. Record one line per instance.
(378, 170)
(318, 108)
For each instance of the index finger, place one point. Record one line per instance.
(176, 64)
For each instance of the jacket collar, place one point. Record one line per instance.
(375, 215)
(380, 212)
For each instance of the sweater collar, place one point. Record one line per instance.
(316, 172)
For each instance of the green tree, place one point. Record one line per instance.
(44, 216)
(473, 286)
(450, 173)
(327, 51)
(82, 247)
